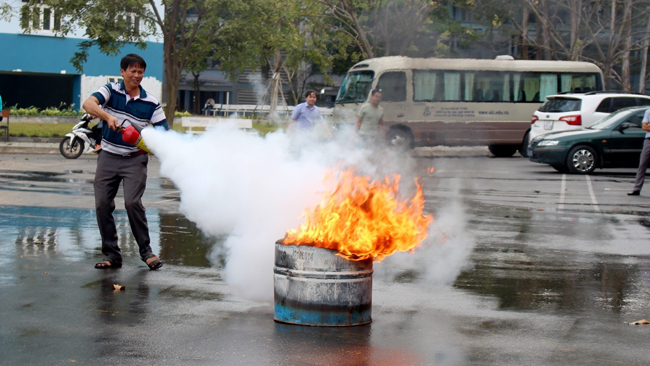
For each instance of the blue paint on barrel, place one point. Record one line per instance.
(314, 286)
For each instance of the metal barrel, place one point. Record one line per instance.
(314, 286)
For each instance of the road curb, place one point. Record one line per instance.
(24, 150)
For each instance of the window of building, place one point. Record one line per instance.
(39, 18)
(132, 21)
(114, 79)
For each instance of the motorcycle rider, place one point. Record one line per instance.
(97, 135)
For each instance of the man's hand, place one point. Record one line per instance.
(113, 123)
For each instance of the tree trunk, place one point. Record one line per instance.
(197, 94)
(171, 86)
(575, 48)
(539, 40)
(172, 95)
(644, 58)
(524, 33)
(547, 34)
(626, 82)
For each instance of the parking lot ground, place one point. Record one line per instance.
(542, 268)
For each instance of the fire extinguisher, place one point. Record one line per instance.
(132, 134)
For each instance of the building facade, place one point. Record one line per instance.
(35, 67)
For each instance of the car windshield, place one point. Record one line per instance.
(612, 120)
(355, 87)
(556, 105)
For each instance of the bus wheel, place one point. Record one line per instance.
(503, 151)
(400, 138)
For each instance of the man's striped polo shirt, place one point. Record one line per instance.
(143, 110)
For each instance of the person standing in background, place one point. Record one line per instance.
(644, 160)
(306, 115)
(371, 118)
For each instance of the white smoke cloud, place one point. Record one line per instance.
(253, 189)
(441, 256)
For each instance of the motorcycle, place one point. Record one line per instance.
(80, 140)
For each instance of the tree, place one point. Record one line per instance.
(287, 39)
(382, 27)
(604, 32)
(106, 25)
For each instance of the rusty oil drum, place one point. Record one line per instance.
(314, 286)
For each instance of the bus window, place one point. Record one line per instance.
(430, 86)
(469, 87)
(491, 87)
(452, 86)
(392, 86)
(578, 82)
(533, 86)
(424, 86)
(355, 87)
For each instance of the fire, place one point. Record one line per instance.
(364, 219)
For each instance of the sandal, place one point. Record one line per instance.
(108, 263)
(153, 263)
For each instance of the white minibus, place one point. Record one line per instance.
(460, 102)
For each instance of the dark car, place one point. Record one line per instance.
(615, 141)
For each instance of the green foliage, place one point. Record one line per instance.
(6, 11)
(265, 128)
(182, 114)
(43, 130)
(61, 111)
(106, 24)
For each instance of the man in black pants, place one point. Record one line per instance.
(645, 157)
(121, 162)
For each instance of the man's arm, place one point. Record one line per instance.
(358, 125)
(645, 126)
(91, 106)
(294, 115)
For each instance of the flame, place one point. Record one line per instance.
(364, 219)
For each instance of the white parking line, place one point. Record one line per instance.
(591, 193)
(560, 206)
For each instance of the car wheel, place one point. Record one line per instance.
(561, 168)
(523, 150)
(503, 151)
(582, 160)
(400, 138)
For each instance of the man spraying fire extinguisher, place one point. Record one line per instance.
(122, 162)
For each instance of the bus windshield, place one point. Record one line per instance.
(355, 87)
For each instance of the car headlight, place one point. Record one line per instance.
(548, 143)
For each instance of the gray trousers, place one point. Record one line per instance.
(644, 160)
(111, 171)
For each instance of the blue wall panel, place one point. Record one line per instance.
(44, 54)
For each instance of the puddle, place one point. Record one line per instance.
(73, 234)
(566, 263)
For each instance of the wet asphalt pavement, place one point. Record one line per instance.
(559, 265)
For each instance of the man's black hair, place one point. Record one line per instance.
(375, 91)
(309, 92)
(132, 59)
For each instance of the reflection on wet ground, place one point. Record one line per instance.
(576, 262)
(71, 234)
